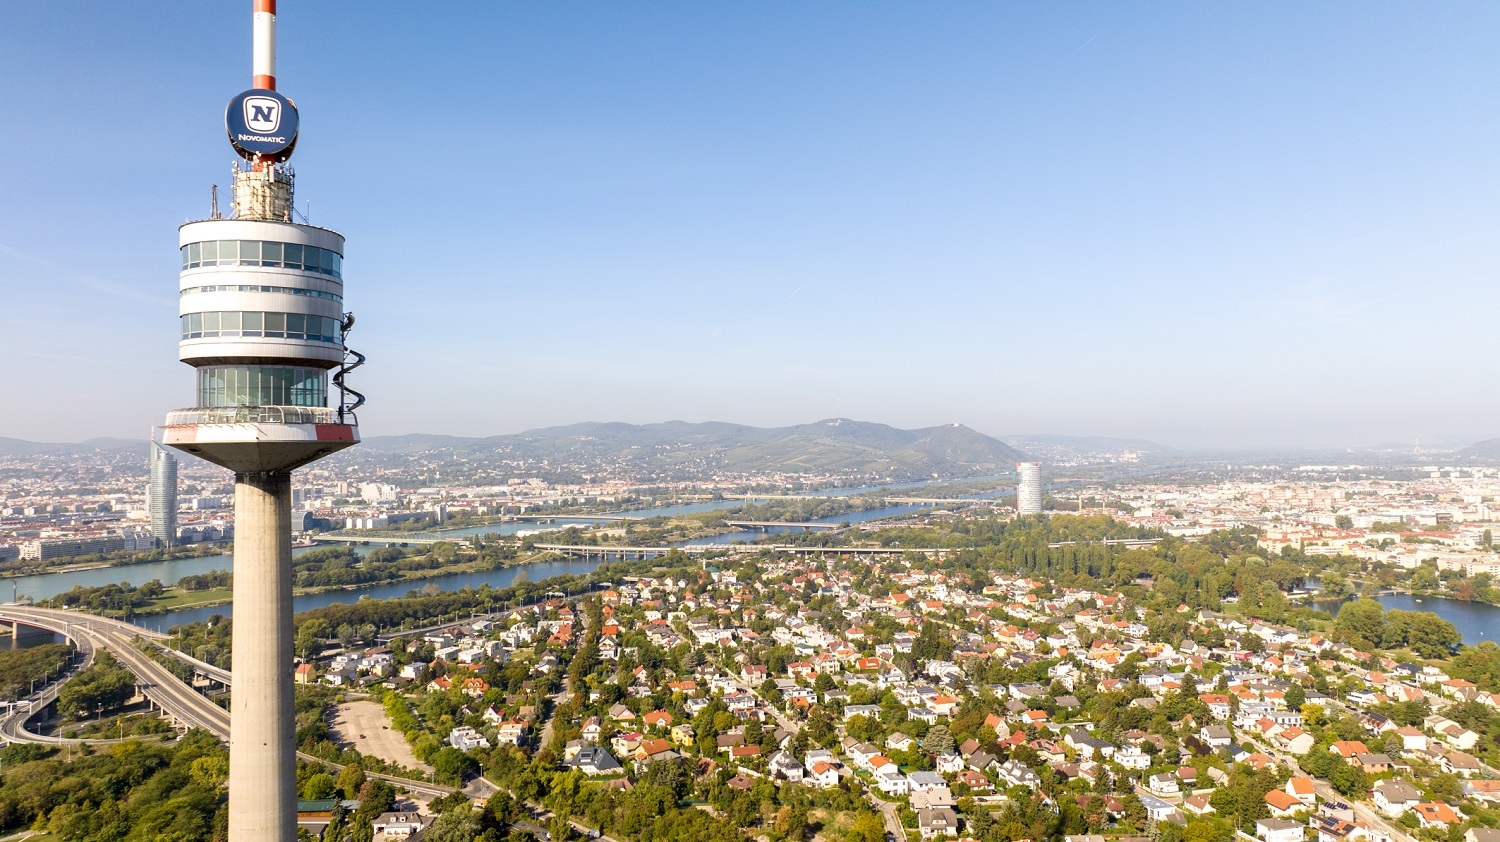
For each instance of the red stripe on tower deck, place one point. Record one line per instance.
(180, 434)
(335, 432)
(265, 6)
(264, 83)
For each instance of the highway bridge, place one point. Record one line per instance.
(621, 552)
(770, 524)
(571, 518)
(912, 501)
(385, 540)
(183, 705)
(180, 702)
(1130, 543)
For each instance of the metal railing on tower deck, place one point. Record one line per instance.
(253, 415)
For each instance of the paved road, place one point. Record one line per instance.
(50, 616)
(1362, 810)
(160, 685)
(13, 723)
(892, 817)
(888, 810)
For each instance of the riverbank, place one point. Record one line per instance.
(208, 548)
(175, 599)
(1475, 621)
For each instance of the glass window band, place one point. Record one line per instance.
(310, 293)
(265, 254)
(232, 324)
(262, 385)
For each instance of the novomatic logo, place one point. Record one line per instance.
(262, 114)
(262, 124)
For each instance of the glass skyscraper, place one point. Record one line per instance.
(161, 495)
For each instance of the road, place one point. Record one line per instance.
(179, 701)
(13, 722)
(892, 819)
(49, 617)
(888, 811)
(1362, 811)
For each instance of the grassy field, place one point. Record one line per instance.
(176, 598)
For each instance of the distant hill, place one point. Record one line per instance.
(18, 447)
(835, 444)
(1484, 451)
(1093, 443)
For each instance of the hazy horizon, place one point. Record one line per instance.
(1451, 443)
(1204, 225)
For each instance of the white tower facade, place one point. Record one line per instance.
(262, 322)
(1029, 488)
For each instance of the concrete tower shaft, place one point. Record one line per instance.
(262, 741)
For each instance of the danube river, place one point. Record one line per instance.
(46, 585)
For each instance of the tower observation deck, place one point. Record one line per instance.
(262, 323)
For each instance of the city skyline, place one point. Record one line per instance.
(1202, 226)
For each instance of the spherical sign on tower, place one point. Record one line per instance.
(262, 125)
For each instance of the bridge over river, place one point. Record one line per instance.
(625, 552)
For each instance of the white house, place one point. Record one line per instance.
(1278, 830)
(399, 825)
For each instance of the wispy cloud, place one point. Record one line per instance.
(1322, 302)
(89, 282)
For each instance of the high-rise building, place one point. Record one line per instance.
(161, 496)
(1029, 488)
(263, 326)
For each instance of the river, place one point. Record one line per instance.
(536, 571)
(1474, 620)
(46, 585)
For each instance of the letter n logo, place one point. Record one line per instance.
(262, 114)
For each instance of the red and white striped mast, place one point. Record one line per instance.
(263, 62)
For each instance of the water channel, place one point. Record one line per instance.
(1476, 621)
(45, 585)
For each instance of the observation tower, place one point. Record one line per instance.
(263, 326)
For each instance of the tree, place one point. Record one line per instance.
(820, 728)
(319, 787)
(938, 740)
(310, 637)
(1479, 664)
(1343, 522)
(1360, 623)
(210, 771)
(1295, 696)
(1314, 715)
(460, 824)
(791, 822)
(868, 827)
(103, 684)
(452, 766)
(351, 780)
(1430, 635)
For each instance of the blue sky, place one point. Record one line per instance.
(1207, 224)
